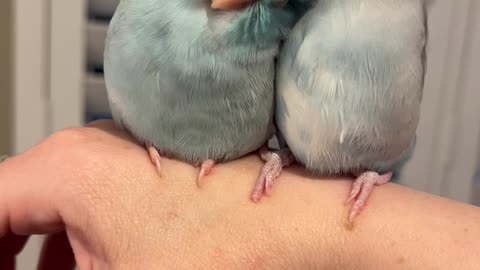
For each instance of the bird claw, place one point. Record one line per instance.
(155, 158)
(275, 161)
(361, 189)
(205, 170)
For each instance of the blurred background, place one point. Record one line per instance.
(51, 77)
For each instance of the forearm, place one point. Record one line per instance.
(305, 220)
(111, 191)
(405, 229)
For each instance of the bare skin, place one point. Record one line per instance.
(95, 184)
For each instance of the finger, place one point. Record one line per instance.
(26, 197)
(57, 253)
(10, 247)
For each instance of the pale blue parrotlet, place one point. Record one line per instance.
(349, 87)
(194, 81)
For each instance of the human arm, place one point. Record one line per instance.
(98, 185)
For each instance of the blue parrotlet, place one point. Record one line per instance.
(193, 79)
(349, 87)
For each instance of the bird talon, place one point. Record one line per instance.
(205, 170)
(362, 188)
(274, 164)
(155, 158)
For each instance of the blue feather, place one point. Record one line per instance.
(261, 24)
(349, 84)
(194, 82)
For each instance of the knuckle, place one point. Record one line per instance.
(70, 137)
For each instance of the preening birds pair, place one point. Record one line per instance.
(207, 81)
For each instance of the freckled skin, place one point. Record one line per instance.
(401, 260)
(172, 216)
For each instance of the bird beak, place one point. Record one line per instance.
(230, 4)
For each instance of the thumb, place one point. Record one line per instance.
(44, 191)
(27, 197)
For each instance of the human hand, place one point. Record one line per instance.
(98, 185)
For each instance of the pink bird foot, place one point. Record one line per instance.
(155, 157)
(361, 189)
(205, 170)
(275, 161)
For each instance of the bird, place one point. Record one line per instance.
(192, 80)
(349, 86)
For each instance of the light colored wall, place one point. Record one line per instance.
(27, 260)
(476, 189)
(6, 74)
(446, 153)
(48, 78)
